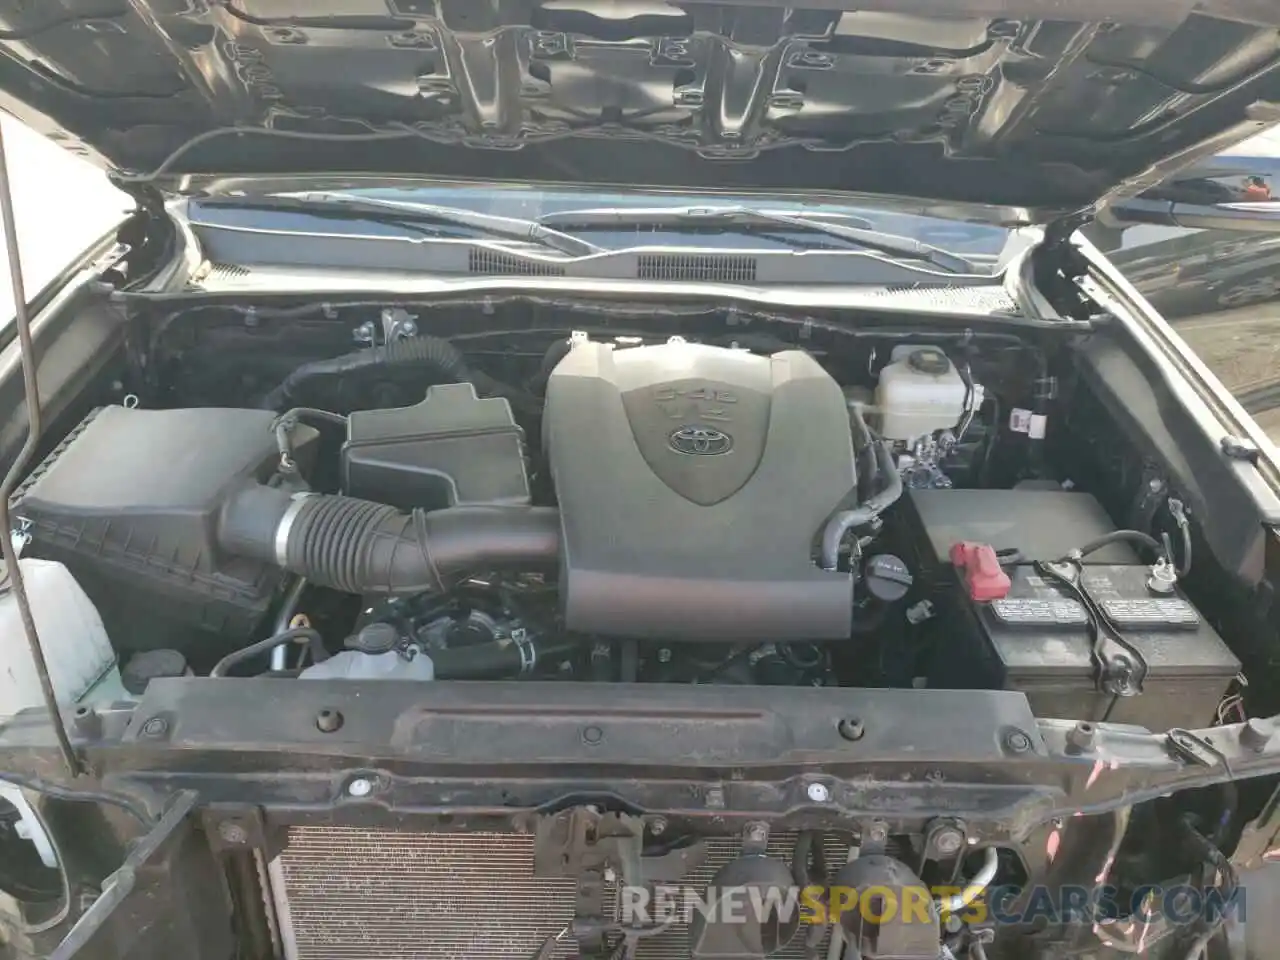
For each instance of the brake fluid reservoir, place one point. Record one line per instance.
(919, 393)
(82, 662)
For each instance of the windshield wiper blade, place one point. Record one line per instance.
(749, 218)
(354, 207)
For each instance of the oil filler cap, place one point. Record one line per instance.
(887, 578)
(929, 361)
(984, 578)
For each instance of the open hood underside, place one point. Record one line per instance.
(1023, 109)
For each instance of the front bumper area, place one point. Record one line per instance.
(264, 766)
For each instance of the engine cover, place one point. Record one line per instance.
(693, 481)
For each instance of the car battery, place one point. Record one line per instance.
(1037, 639)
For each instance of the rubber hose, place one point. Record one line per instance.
(846, 520)
(868, 471)
(974, 888)
(361, 547)
(298, 634)
(868, 468)
(502, 658)
(871, 622)
(432, 352)
(808, 862)
(555, 353)
(989, 442)
(297, 414)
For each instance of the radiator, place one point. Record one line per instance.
(351, 894)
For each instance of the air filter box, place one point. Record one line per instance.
(129, 503)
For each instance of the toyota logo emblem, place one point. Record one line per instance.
(700, 441)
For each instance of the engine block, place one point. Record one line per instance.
(692, 481)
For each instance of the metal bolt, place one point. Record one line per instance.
(231, 832)
(329, 721)
(1256, 734)
(920, 612)
(851, 728)
(360, 787)
(87, 723)
(673, 47)
(1083, 736)
(1015, 741)
(664, 655)
(592, 735)
(364, 332)
(1163, 578)
(818, 792)
(756, 832)
(658, 826)
(878, 832)
(948, 840)
(155, 727)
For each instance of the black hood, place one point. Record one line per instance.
(1050, 105)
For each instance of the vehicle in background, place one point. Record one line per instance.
(1204, 241)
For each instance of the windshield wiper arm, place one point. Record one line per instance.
(352, 206)
(748, 218)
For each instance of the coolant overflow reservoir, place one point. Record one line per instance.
(82, 663)
(357, 665)
(919, 393)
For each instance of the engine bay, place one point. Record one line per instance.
(454, 497)
(649, 526)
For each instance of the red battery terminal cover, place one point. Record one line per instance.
(984, 578)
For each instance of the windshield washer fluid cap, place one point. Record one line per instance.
(692, 481)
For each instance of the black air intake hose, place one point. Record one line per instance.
(431, 352)
(357, 546)
(502, 658)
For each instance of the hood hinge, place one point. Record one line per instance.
(1057, 233)
(145, 196)
(1058, 264)
(145, 237)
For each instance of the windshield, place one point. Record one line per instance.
(612, 221)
